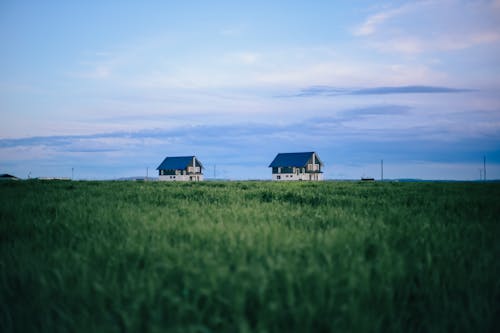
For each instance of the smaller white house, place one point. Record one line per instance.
(297, 166)
(180, 168)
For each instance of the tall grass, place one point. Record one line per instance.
(249, 257)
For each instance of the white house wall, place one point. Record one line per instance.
(194, 169)
(294, 176)
(181, 178)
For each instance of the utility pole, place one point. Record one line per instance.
(72, 173)
(484, 167)
(147, 173)
(382, 170)
(215, 171)
(480, 174)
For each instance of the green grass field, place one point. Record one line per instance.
(249, 257)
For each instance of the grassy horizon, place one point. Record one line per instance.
(249, 257)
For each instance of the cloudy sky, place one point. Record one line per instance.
(110, 88)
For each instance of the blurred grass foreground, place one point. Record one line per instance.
(249, 257)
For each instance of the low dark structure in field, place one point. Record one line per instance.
(297, 166)
(6, 176)
(180, 168)
(367, 179)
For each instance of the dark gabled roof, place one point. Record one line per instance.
(7, 176)
(176, 163)
(292, 160)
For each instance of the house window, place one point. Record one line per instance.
(278, 177)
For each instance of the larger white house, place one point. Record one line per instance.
(297, 166)
(180, 168)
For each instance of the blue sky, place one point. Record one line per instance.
(110, 88)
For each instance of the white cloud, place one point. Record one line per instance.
(246, 58)
(268, 73)
(370, 25)
(352, 73)
(101, 65)
(451, 42)
(25, 152)
(233, 31)
(430, 26)
(485, 37)
(99, 72)
(97, 69)
(407, 45)
(412, 45)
